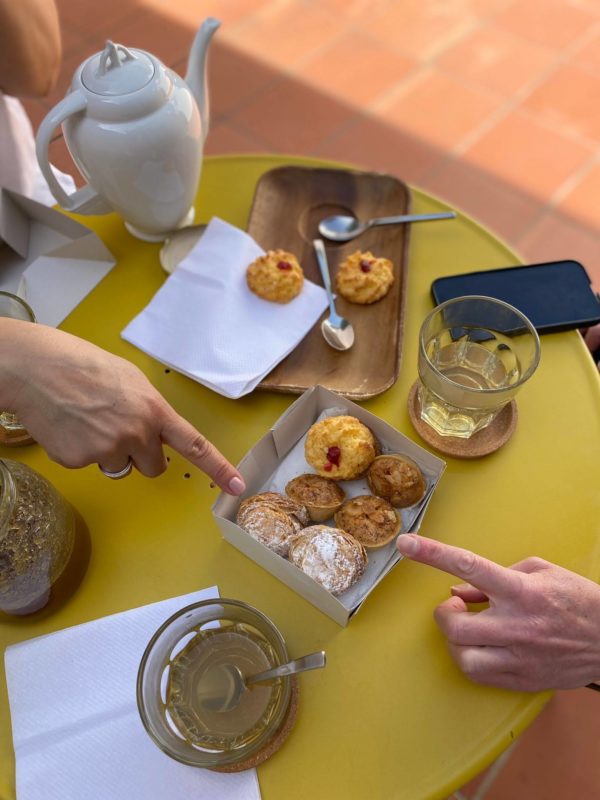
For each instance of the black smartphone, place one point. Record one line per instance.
(555, 296)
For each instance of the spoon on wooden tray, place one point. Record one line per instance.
(224, 684)
(337, 331)
(344, 228)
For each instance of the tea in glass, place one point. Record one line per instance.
(474, 355)
(200, 688)
(185, 683)
(12, 433)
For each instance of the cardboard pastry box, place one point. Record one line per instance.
(279, 456)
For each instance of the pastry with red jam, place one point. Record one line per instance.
(277, 276)
(340, 447)
(364, 278)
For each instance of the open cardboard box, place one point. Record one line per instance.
(279, 456)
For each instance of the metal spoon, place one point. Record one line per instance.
(228, 684)
(343, 229)
(337, 331)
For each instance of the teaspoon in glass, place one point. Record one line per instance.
(343, 228)
(228, 684)
(337, 331)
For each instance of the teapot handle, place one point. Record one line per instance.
(85, 200)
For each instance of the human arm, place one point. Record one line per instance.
(30, 47)
(540, 631)
(592, 339)
(85, 405)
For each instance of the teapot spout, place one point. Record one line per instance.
(196, 76)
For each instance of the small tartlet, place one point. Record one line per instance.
(397, 479)
(371, 520)
(321, 497)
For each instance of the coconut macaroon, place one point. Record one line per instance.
(277, 276)
(371, 520)
(331, 557)
(322, 497)
(364, 278)
(340, 447)
(397, 479)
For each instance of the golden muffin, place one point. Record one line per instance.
(397, 479)
(277, 276)
(320, 496)
(371, 520)
(340, 447)
(329, 556)
(272, 519)
(363, 278)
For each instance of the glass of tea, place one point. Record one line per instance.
(475, 353)
(12, 433)
(182, 681)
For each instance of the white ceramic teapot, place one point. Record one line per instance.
(135, 130)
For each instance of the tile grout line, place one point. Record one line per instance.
(515, 103)
(573, 180)
(493, 772)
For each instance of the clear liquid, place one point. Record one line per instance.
(197, 678)
(445, 405)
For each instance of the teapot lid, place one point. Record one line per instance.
(117, 70)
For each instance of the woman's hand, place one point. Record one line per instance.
(540, 631)
(85, 405)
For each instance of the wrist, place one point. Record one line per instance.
(16, 353)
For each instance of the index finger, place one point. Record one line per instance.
(480, 572)
(181, 435)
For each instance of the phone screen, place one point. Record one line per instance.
(555, 296)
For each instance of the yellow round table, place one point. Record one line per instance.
(390, 716)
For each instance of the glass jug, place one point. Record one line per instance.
(37, 534)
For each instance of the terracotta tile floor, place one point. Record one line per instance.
(491, 104)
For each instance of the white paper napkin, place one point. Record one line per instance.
(206, 323)
(76, 728)
(49, 260)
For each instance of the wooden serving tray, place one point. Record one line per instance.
(289, 202)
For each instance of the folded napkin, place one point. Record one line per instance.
(206, 323)
(49, 260)
(76, 728)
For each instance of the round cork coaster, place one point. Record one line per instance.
(480, 444)
(15, 437)
(273, 745)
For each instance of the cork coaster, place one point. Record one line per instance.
(273, 745)
(15, 437)
(480, 444)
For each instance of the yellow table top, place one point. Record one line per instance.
(390, 716)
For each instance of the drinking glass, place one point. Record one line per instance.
(11, 431)
(176, 677)
(475, 353)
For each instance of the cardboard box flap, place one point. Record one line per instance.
(14, 224)
(294, 422)
(50, 260)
